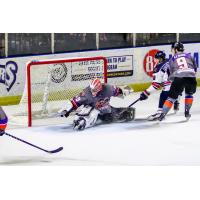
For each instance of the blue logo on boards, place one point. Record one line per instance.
(8, 74)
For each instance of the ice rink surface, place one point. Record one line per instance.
(140, 142)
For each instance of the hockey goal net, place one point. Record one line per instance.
(50, 83)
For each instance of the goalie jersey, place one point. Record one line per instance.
(100, 102)
(160, 77)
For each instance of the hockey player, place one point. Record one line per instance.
(3, 121)
(160, 80)
(95, 105)
(183, 75)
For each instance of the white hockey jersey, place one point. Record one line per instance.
(160, 77)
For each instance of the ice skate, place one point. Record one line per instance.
(187, 115)
(154, 116)
(161, 117)
(176, 106)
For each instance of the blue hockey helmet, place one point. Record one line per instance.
(160, 54)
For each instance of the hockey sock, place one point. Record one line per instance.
(168, 105)
(163, 98)
(188, 102)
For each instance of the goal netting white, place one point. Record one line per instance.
(50, 83)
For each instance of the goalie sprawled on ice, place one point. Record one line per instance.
(94, 100)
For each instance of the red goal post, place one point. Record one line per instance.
(41, 63)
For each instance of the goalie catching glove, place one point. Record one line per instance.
(124, 91)
(127, 90)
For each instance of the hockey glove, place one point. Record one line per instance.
(144, 95)
(2, 132)
(3, 125)
(64, 113)
(66, 109)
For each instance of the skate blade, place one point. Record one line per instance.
(152, 119)
(176, 111)
(187, 118)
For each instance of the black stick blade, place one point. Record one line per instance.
(56, 150)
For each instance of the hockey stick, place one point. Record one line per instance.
(134, 102)
(53, 151)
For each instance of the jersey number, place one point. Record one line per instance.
(182, 63)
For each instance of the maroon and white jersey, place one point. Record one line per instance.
(182, 65)
(100, 102)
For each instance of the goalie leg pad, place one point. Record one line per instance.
(128, 114)
(85, 118)
(79, 124)
(119, 114)
(107, 117)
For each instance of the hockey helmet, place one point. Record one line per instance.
(160, 54)
(177, 46)
(95, 86)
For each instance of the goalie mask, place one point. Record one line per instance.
(95, 86)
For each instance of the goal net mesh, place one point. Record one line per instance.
(50, 83)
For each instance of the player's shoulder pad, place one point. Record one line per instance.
(182, 54)
(158, 68)
(165, 64)
(188, 55)
(162, 66)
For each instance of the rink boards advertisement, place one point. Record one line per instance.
(120, 69)
(124, 66)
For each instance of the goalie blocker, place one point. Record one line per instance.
(96, 107)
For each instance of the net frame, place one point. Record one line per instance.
(56, 61)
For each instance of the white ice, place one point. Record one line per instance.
(171, 142)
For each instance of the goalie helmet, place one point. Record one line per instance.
(95, 86)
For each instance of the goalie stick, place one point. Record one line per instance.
(134, 102)
(47, 151)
